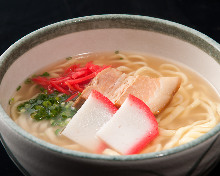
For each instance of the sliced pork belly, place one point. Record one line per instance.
(155, 92)
(116, 86)
(107, 80)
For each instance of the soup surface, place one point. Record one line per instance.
(193, 111)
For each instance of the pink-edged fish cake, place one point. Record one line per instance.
(131, 128)
(82, 128)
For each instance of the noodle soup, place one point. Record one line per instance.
(193, 111)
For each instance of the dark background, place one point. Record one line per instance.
(20, 17)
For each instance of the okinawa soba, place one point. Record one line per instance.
(47, 102)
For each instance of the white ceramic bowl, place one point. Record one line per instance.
(107, 33)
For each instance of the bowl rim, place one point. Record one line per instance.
(160, 25)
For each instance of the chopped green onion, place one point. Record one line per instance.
(68, 58)
(18, 88)
(11, 101)
(28, 81)
(49, 107)
(45, 74)
(42, 89)
(57, 132)
(34, 75)
(116, 52)
(121, 58)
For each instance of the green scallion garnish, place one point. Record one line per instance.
(18, 88)
(116, 52)
(45, 74)
(28, 81)
(11, 101)
(57, 132)
(49, 107)
(68, 58)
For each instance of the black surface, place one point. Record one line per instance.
(20, 17)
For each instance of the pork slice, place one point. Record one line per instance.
(116, 86)
(155, 92)
(105, 82)
(123, 85)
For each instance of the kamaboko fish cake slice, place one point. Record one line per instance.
(82, 128)
(131, 128)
